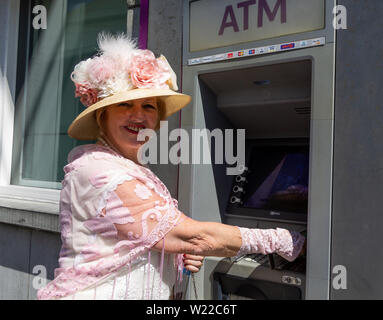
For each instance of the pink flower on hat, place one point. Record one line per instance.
(88, 96)
(100, 70)
(146, 72)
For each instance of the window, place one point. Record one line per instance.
(45, 104)
(37, 95)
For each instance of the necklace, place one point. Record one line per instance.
(102, 140)
(106, 144)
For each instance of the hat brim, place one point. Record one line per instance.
(85, 126)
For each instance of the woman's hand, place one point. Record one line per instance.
(193, 263)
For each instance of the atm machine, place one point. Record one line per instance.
(266, 67)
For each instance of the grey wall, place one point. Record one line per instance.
(21, 249)
(165, 37)
(358, 152)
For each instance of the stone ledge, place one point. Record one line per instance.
(29, 219)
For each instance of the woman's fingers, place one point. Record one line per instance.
(191, 268)
(196, 261)
(193, 257)
(192, 262)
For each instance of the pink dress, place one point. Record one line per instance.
(95, 262)
(102, 189)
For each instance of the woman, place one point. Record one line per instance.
(123, 235)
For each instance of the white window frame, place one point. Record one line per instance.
(13, 196)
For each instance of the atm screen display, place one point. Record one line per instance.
(278, 179)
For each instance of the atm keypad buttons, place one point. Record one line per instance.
(291, 280)
(235, 199)
(238, 189)
(240, 178)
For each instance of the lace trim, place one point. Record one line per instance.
(290, 254)
(287, 244)
(111, 189)
(142, 192)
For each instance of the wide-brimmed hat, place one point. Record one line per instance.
(121, 72)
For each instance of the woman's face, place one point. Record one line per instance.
(122, 122)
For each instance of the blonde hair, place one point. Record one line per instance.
(99, 113)
(161, 113)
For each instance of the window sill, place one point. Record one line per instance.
(28, 207)
(30, 199)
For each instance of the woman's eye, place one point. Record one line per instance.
(150, 106)
(124, 105)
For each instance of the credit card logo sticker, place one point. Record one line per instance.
(272, 49)
(288, 46)
(259, 51)
(219, 57)
(207, 59)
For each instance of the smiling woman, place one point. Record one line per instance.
(123, 234)
(121, 123)
(98, 259)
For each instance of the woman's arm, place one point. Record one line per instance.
(202, 238)
(220, 240)
(195, 237)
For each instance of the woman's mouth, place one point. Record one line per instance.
(134, 128)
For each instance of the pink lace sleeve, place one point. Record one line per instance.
(287, 244)
(137, 211)
(138, 208)
(152, 216)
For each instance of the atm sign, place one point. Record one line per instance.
(287, 46)
(223, 23)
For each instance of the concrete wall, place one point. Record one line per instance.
(165, 37)
(358, 152)
(21, 249)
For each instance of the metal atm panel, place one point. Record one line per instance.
(198, 194)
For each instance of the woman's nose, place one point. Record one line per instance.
(137, 113)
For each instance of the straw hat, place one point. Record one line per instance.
(119, 73)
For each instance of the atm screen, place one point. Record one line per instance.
(278, 179)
